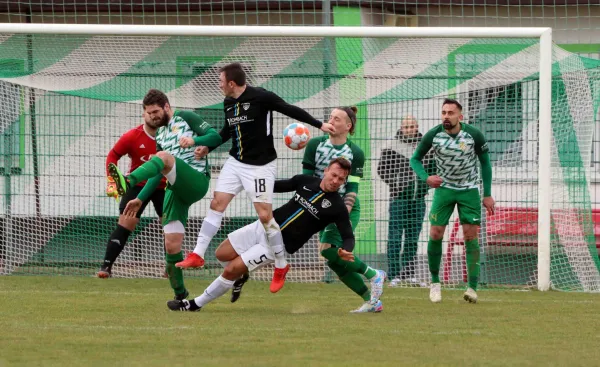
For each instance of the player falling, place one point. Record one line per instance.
(315, 204)
(188, 178)
(457, 147)
(251, 165)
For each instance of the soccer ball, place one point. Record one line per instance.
(296, 136)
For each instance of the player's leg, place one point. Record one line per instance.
(225, 253)
(469, 213)
(118, 238)
(439, 215)
(331, 236)
(158, 200)
(245, 250)
(228, 185)
(158, 164)
(259, 183)
(356, 283)
(394, 240)
(413, 213)
(186, 186)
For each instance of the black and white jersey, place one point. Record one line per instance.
(309, 211)
(249, 123)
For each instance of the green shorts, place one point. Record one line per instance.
(190, 186)
(331, 234)
(467, 201)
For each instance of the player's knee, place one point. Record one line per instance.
(437, 232)
(265, 218)
(167, 159)
(128, 222)
(233, 271)
(219, 203)
(470, 232)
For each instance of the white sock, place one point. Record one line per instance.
(216, 289)
(210, 227)
(275, 240)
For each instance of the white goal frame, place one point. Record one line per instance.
(545, 76)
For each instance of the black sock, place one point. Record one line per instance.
(193, 305)
(115, 245)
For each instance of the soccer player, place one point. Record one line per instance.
(314, 205)
(188, 178)
(319, 152)
(251, 165)
(139, 144)
(456, 147)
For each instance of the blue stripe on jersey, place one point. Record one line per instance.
(298, 212)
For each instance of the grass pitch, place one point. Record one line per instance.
(66, 321)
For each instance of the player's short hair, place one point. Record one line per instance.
(234, 73)
(155, 97)
(452, 101)
(343, 163)
(351, 112)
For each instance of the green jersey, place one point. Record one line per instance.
(456, 156)
(188, 124)
(319, 153)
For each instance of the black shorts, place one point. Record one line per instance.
(157, 198)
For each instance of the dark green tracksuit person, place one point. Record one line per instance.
(407, 202)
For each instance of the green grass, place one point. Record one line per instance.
(67, 321)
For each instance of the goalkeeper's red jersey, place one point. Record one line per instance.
(136, 144)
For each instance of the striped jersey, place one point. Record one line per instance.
(456, 156)
(188, 124)
(320, 152)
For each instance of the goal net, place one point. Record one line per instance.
(68, 98)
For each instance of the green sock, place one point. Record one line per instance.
(175, 273)
(434, 258)
(352, 280)
(147, 170)
(356, 266)
(472, 248)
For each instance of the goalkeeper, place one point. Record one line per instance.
(139, 144)
(456, 149)
(315, 204)
(188, 178)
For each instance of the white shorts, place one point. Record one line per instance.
(257, 181)
(250, 242)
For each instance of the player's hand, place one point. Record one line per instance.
(327, 127)
(434, 181)
(200, 152)
(490, 205)
(111, 188)
(186, 142)
(345, 255)
(132, 207)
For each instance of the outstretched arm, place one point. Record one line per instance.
(297, 113)
(287, 185)
(345, 227)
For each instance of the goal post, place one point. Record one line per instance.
(73, 89)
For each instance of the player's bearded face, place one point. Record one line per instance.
(156, 116)
(451, 116)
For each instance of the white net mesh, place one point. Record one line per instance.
(67, 99)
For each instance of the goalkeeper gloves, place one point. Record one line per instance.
(111, 188)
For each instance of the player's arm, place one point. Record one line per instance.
(309, 160)
(288, 185)
(276, 103)
(416, 161)
(120, 149)
(482, 151)
(356, 173)
(206, 135)
(225, 135)
(345, 228)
